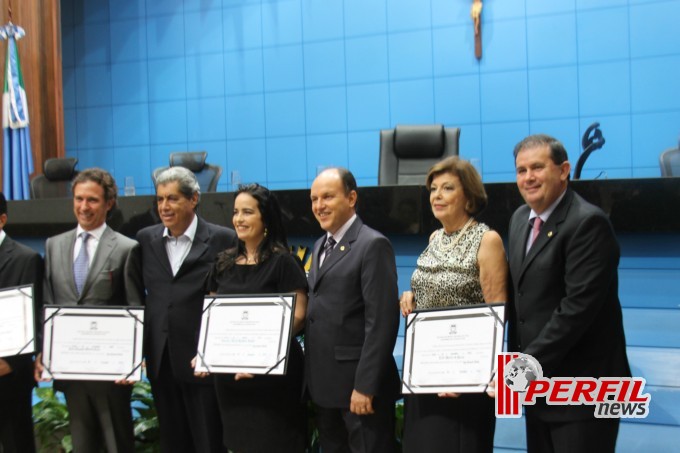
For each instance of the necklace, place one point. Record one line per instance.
(454, 241)
(250, 259)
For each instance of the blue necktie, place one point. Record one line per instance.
(81, 264)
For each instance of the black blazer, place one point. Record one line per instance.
(352, 320)
(565, 308)
(174, 304)
(20, 265)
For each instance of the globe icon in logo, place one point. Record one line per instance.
(521, 371)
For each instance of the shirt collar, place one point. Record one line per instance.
(190, 232)
(96, 233)
(342, 230)
(2, 236)
(546, 214)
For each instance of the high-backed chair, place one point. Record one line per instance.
(670, 162)
(408, 152)
(207, 174)
(55, 182)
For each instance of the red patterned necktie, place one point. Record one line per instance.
(538, 223)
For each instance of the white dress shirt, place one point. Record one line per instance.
(178, 247)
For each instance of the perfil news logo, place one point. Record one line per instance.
(520, 381)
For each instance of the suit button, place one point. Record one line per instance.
(520, 293)
(311, 320)
(521, 321)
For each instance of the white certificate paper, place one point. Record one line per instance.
(17, 321)
(246, 334)
(97, 344)
(453, 349)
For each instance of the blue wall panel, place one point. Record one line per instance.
(242, 26)
(544, 66)
(411, 101)
(324, 63)
(322, 20)
(597, 43)
(285, 113)
(410, 55)
(245, 116)
(129, 82)
(368, 108)
(131, 126)
(325, 150)
(128, 40)
(547, 33)
(326, 110)
(168, 122)
(205, 75)
(248, 158)
(243, 71)
(366, 59)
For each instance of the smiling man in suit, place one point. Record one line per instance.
(19, 265)
(565, 308)
(93, 265)
(352, 323)
(177, 256)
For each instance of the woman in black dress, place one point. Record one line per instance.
(262, 413)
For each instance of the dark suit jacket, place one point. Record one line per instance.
(565, 308)
(20, 265)
(174, 304)
(352, 319)
(114, 277)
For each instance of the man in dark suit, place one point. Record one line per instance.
(565, 308)
(94, 265)
(177, 256)
(352, 323)
(19, 265)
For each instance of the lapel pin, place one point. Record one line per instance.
(550, 234)
(342, 248)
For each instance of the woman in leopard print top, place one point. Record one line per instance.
(463, 264)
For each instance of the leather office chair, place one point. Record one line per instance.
(669, 161)
(207, 174)
(408, 152)
(55, 182)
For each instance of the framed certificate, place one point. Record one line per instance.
(452, 349)
(93, 343)
(246, 334)
(17, 321)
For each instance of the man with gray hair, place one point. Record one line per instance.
(176, 256)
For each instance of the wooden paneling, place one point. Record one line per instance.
(40, 54)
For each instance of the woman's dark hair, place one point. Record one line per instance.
(274, 241)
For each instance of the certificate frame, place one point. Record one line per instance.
(246, 333)
(452, 349)
(93, 343)
(17, 321)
